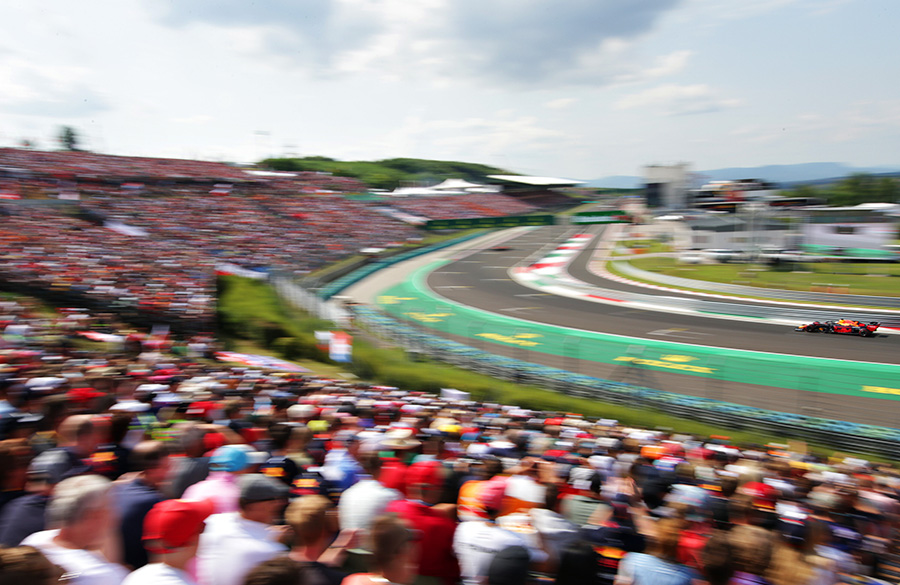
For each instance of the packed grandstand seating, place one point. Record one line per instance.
(463, 206)
(149, 234)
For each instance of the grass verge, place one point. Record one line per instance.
(844, 278)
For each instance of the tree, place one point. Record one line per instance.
(68, 138)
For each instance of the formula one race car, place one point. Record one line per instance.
(844, 326)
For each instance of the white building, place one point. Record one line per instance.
(667, 185)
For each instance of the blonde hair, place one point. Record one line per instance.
(752, 548)
(77, 497)
(789, 566)
(665, 542)
(306, 517)
(26, 564)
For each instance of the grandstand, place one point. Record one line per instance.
(147, 235)
(542, 192)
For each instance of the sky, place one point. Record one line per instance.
(579, 89)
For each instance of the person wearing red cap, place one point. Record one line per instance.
(424, 484)
(171, 535)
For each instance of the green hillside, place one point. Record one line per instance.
(389, 173)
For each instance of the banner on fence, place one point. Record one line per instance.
(489, 222)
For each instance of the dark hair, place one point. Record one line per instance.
(278, 571)
(119, 425)
(717, 559)
(147, 455)
(280, 434)
(577, 564)
(370, 462)
(509, 566)
(752, 547)
(14, 454)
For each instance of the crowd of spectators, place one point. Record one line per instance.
(156, 246)
(87, 165)
(462, 206)
(148, 463)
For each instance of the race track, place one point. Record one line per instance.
(478, 276)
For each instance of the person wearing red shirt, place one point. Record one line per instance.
(424, 484)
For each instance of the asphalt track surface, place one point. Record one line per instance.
(478, 276)
(481, 280)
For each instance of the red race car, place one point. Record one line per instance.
(843, 326)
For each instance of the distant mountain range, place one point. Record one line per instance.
(785, 175)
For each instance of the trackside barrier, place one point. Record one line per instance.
(862, 438)
(825, 379)
(342, 283)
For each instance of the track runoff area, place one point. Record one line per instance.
(751, 377)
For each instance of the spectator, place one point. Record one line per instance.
(476, 542)
(279, 464)
(192, 465)
(279, 571)
(78, 441)
(15, 456)
(546, 529)
(26, 565)
(424, 484)
(81, 519)
(26, 515)
(510, 566)
(393, 547)
(226, 465)
(659, 567)
(579, 505)
(613, 535)
(171, 534)
(718, 559)
(794, 560)
(578, 564)
(752, 547)
(364, 501)
(234, 542)
(135, 498)
(314, 522)
(341, 467)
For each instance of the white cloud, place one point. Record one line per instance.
(498, 42)
(670, 64)
(560, 103)
(676, 100)
(58, 91)
(195, 119)
(474, 138)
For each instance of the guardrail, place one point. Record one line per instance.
(860, 438)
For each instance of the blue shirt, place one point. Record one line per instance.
(21, 518)
(644, 569)
(134, 499)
